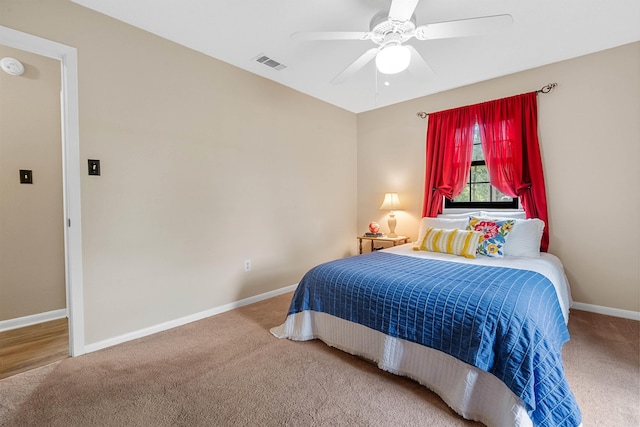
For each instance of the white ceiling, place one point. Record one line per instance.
(543, 32)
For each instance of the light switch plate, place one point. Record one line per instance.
(26, 176)
(94, 167)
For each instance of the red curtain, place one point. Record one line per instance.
(449, 148)
(509, 133)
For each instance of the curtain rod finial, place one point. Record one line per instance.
(548, 88)
(422, 114)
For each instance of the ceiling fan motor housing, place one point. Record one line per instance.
(386, 30)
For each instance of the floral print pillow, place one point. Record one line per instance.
(495, 234)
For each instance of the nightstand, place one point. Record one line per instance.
(395, 240)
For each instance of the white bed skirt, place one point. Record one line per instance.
(471, 392)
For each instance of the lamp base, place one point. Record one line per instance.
(392, 226)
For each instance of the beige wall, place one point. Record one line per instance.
(203, 166)
(32, 276)
(589, 131)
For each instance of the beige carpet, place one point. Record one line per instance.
(228, 370)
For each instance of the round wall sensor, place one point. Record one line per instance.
(12, 66)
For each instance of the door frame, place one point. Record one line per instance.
(68, 57)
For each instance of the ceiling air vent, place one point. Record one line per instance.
(263, 59)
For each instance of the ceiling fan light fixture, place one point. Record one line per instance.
(393, 59)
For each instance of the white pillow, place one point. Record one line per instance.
(459, 215)
(441, 223)
(504, 215)
(524, 239)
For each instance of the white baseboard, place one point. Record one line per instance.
(89, 348)
(615, 312)
(34, 319)
(184, 320)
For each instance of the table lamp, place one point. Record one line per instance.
(390, 203)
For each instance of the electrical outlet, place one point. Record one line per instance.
(247, 265)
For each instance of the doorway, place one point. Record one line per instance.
(67, 57)
(32, 276)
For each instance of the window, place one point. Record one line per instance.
(479, 193)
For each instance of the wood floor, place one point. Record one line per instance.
(33, 346)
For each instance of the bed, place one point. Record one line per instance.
(485, 333)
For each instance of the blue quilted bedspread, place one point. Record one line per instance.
(504, 321)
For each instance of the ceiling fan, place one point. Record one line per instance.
(390, 29)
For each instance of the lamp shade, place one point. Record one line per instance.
(390, 202)
(393, 59)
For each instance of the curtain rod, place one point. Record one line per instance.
(544, 89)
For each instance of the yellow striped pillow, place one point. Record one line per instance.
(454, 242)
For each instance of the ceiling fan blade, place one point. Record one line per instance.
(402, 10)
(331, 35)
(356, 65)
(418, 67)
(463, 27)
